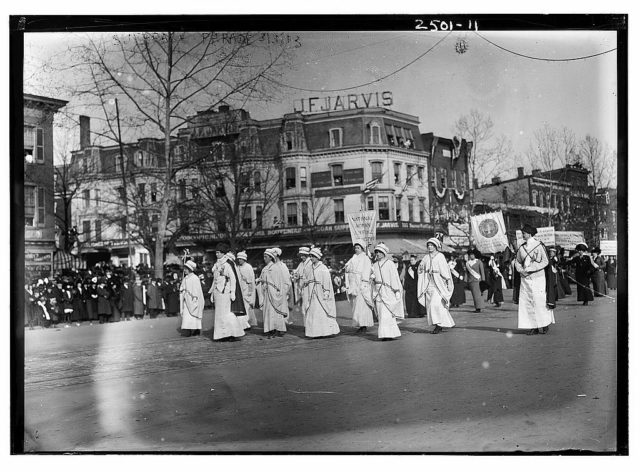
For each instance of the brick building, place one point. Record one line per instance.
(294, 178)
(39, 216)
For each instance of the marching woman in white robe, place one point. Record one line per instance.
(247, 280)
(386, 293)
(299, 276)
(531, 259)
(191, 302)
(226, 325)
(273, 296)
(358, 285)
(435, 287)
(320, 313)
(286, 276)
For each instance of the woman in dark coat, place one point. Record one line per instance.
(611, 270)
(92, 300)
(67, 303)
(457, 273)
(494, 278)
(597, 277)
(584, 269)
(79, 303)
(104, 303)
(139, 299)
(171, 294)
(126, 300)
(414, 309)
(114, 290)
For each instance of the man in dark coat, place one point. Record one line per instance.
(104, 303)
(171, 293)
(126, 299)
(154, 298)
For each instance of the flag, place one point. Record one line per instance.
(489, 232)
(370, 186)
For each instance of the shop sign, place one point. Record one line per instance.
(337, 191)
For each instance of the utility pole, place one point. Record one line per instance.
(124, 188)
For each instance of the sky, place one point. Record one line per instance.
(519, 94)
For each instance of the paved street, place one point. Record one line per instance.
(482, 386)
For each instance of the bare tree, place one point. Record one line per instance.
(549, 150)
(488, 154)
(600, 162)
(161, 79)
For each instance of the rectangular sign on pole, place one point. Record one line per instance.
(569, 239)
(609, 247)
(489, 232)
(546, 235)
(362, 226)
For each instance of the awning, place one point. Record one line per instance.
(64, 260)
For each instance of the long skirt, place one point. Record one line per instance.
(189, 321)
(476, 293)
(92, 310)
(564, 281)
(115, 311)
(387, 325)
(251, 314)
(272, 320)
(362, 314)
(458, 297)
(225, 322)
(318, 323)
(437, 313)
(612, 283)
(532, 307)
(597, 279)
(584, 291)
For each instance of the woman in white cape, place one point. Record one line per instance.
(273, 296)
(386, 293)
(320, 314)
(435, 286)
(191, 301)
(226, 325)
(357, 282)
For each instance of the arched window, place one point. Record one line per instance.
(375, 134)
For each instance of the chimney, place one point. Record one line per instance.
(85, 132)
(535, 172)
(223, 108)
(475, 183)
(520, 172)
(496, 180)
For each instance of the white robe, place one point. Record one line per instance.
(435, 286)
(191, 302)
(272, 298)
(286, 276)
(248, 285)
(320, 315)
(225, 322)
(532, 302)
(358, 285)
(387, 296)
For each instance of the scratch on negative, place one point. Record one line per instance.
(295, 391)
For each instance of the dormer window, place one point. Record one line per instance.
(335, 137)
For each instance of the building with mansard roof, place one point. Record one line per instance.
(289, 181)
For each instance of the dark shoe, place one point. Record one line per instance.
(437, 329)
(185, 332)
(498, 305)
(544, 330)
(279, 333)
(585, 303)
(196, 332)
(477, 310)
(531, 332)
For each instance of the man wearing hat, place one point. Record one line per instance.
(191, 301)
(139, 298)
(300, 287)
(386, 293)
(273, 296)
(534, 313)
(584, 269)
(358, 284)
(320, 313)
(226, 325)
(435, 286)
(247, 281)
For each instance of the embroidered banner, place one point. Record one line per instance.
(362, 226)
(489, 232)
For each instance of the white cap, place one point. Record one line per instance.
(382, 247)
(316, 252)
(191, 265)
(303, 250)
(242, 255)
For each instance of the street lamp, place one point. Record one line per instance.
(29, 158)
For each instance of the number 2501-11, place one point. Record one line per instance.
(440, 25)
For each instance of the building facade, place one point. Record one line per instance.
(288, 181)
(559, 198)
(39, 215)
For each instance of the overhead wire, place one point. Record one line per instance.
(544, 58)
(293, 87)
